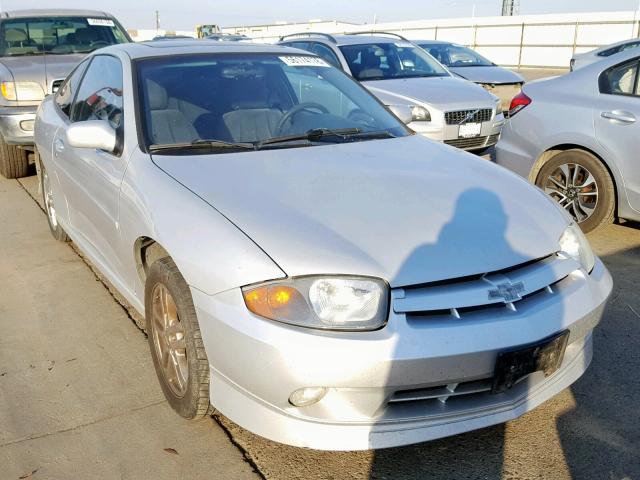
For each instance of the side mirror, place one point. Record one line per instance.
(403, 112)
(98, 134)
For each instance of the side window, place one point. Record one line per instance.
(66, 92)
(326, 54)
(620, 80)
(100, 93)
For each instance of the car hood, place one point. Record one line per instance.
(444, 93)
(487, 74)
(43, 69)
(407, 210)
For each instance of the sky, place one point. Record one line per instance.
(185, 14)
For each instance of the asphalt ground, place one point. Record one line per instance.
(79, 397)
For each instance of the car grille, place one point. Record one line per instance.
(55, 85)
(496, 293)
(459, 116)
(442, 393)
(467, 143)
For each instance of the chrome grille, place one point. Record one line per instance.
(467, 143)
(459, 116)
(493, 139)
(459, 298)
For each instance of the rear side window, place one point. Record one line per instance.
(618, 49)
(66, 92)
(326, 53)
(100, 93)
(620, 79)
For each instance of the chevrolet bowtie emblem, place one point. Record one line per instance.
(507, 292)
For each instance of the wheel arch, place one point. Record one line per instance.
(550, 153)
(146, 251)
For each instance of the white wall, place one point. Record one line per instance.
(525, 40)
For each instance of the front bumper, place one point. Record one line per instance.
(449, 134)
(255, 364)
(14, 124)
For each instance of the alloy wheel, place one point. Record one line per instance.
(169, 340)
(574, 188)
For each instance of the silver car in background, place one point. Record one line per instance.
(470, 65)
(305, 263)
(440, 106)
(576, 137)
(582, 59)
(38, 49)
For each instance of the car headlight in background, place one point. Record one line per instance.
(575, 244)
(498, 106)
(419, 114)
(22, 91)
(330, 303)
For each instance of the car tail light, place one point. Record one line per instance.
(518, 103)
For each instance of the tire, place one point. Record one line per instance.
(49, 208)
(14, 161)
(187, 392)
(580, 182)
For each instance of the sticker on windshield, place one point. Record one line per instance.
(304, 61)
(101, 22)
(404, 44)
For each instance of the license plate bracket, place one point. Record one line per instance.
(469, 130)
(544, 356)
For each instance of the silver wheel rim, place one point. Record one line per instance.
(168, 339)
(574, 187)
(48, 199)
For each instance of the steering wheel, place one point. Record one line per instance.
(301, 107)
(99, 43)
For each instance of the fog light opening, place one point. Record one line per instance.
(305, 397)
(27, 125)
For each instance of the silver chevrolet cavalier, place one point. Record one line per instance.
(307, 265)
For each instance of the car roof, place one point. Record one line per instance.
(607, 62)
(433, 42)
(186, 47)
(54, 12)
(344, 39)
(607, 47)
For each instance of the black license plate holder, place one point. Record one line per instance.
(544, 356)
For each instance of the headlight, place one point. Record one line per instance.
(420, 114)
(575, 244)
(22, 91)
(330, 303)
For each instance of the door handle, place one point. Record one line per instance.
(619, 116)
(58, 145)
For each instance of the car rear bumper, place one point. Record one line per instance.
(16, 124)
(256, 364)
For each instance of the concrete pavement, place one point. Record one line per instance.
(78, 393)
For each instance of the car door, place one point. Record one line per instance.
(91, 178)
(617, 122)
(52, 117)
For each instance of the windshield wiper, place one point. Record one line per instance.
(316, 134)
(202, 145)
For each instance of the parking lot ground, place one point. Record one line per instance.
(78, 394)
(98, 412)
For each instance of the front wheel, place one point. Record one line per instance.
(581, 184)
(175, 340)
(14, 161)
(49, 207)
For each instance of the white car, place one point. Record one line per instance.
(582, 59)
(306, 264)
(440, 105)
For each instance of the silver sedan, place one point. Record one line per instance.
(576, 137)
(306, 264)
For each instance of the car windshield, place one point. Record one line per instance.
(58, 35)
(453, 55)
(387, 60)
(227, 101)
